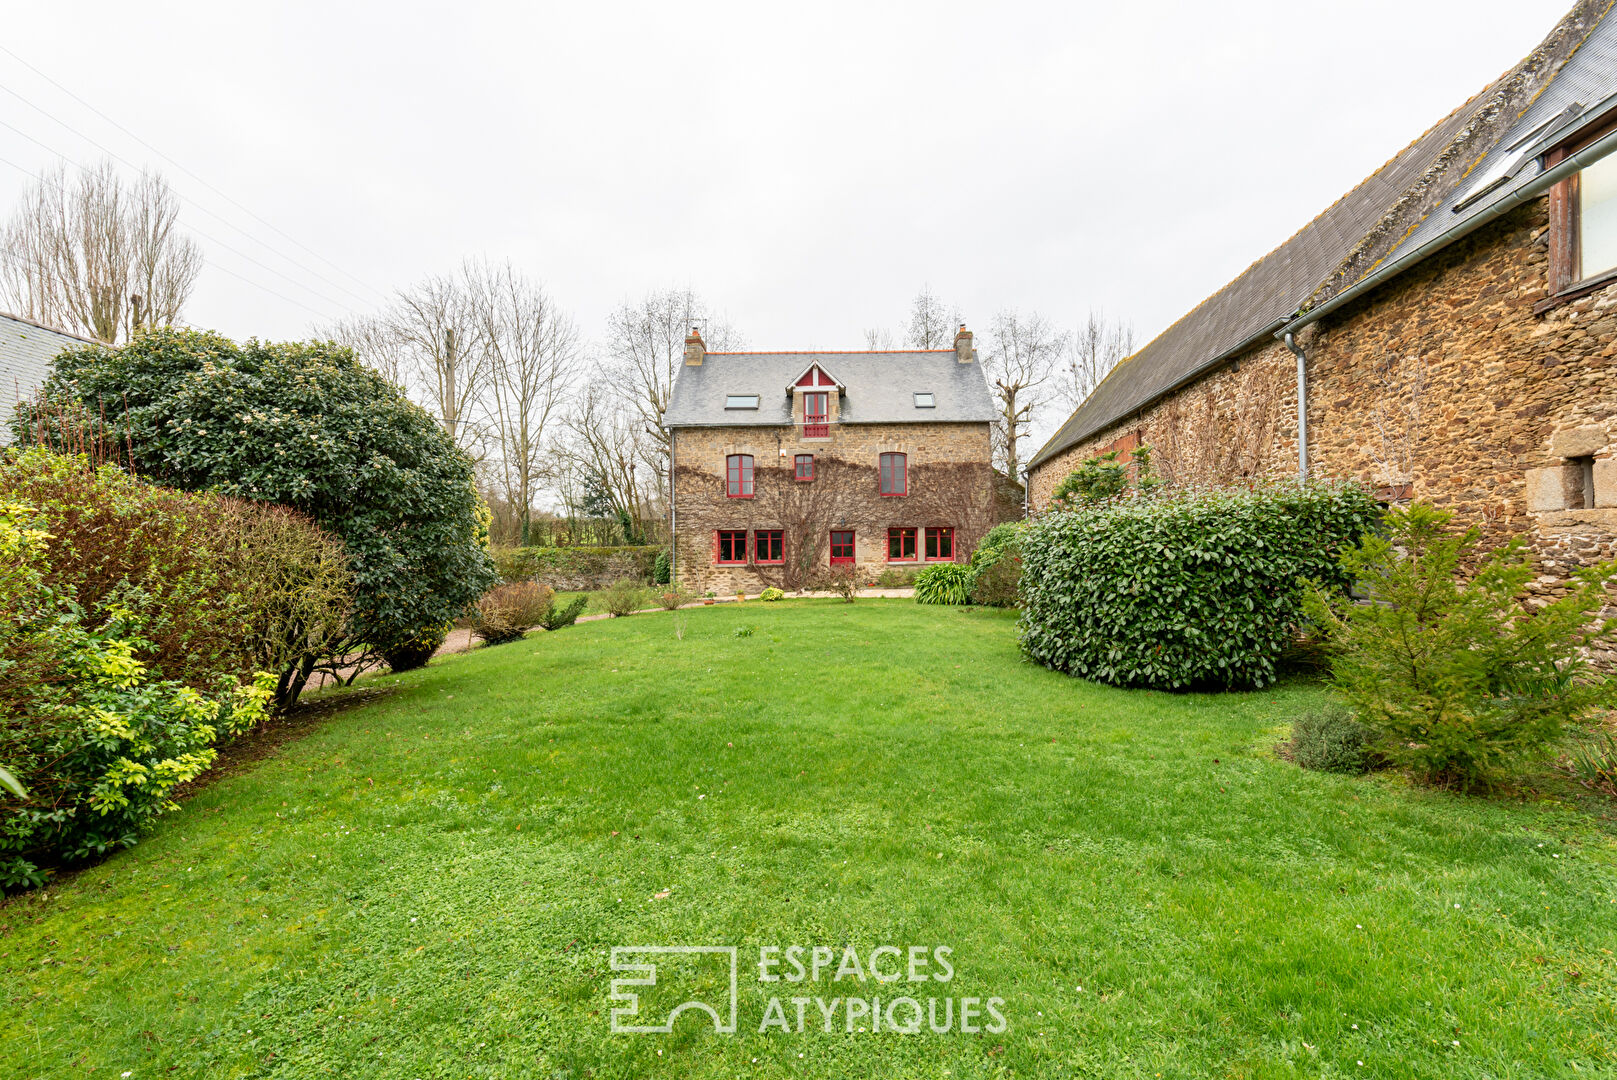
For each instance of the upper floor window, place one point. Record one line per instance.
(741, 401)
(894, 475)
(738, 476)
(815, 408)
(1597, 218)
(805, 467)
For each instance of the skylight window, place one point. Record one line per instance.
(741, 401)
(925, 401)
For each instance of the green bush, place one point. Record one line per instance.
(672, 597)
(1103, 477)
(1185, 589)
(996, 567)
(623, 597)
(417, 650)
(1332, 741)
(661, 567)
(98, 742)
(508, 611)
(222, 586)
(1459, 679)
(1594, 760)
(771, 594)
(305, 425)
(892, 577)
(944, 583)
(555, 618)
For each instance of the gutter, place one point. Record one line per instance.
(1527, 192)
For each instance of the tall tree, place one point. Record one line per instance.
(1020, 358)
(878, 340)
(1100, 344)
(98, 256)
(532, 353)
(436, 328)
(375, 344)
(646, 343)
(609, 449)
(932, 322)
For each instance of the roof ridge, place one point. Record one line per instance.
(36, 324)
(821, 352)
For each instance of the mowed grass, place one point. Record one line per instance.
(429, 885)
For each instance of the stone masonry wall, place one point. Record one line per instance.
(1443, 385)
(950, 484)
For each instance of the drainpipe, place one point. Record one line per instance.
(673, 548)
(1302, 409)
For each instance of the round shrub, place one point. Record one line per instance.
(771, 594)
(1331, 740)
(305, 425)
(944, 583)
(507, 612)
(414, 652)
(623, 597)
(1185, 589)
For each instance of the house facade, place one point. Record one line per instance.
(790, 465)
(1447, 331)
(26, 351)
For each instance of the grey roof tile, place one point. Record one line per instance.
(26, 352)
(880, 387)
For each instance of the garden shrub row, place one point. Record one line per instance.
(579, 568)
(1183, 589)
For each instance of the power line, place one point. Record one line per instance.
(209, 262)
(188, 172)
(191, 202)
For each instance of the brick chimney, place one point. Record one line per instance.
(963, 351)
(695, 349)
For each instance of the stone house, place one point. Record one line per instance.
(1446, 331)
(787, 465)
(26, 351)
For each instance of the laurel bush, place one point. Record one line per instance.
(1181, 589)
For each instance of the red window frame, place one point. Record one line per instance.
(894, 470)
(803, 467)
(939, 543)
(901, 538)
(842, 547)
(817, 407)
(738, 476)
(731, 543)
(769, 546)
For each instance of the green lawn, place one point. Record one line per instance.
(429, 885)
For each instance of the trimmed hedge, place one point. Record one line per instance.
(575, 568)
(1185, 589)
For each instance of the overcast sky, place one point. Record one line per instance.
(804, 167)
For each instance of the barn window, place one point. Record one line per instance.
(738, 476)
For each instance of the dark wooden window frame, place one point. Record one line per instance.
(1564, 229)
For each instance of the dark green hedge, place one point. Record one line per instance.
(1183, 590)
(577, 567)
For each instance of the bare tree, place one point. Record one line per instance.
(1099, 346)
(97, 256)
(646, 342)
(932, 322)
(442, 350)
(610, 445)
(532, 351)
(1020, 359)
(878, 340)
(375, 343)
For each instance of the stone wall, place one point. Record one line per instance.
(1442, 385)
(950, 484)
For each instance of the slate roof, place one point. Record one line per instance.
(26, 352)
(880, 388)
(1403, 204)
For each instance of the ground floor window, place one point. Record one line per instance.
(841, 547)
(900, 544)
(768, 546)
(732, 546)
(939, 542)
